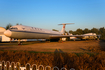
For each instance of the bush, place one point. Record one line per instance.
(68, 60)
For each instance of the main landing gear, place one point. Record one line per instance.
(19, 42)
(60, 40)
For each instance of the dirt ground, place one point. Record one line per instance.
(68, 46)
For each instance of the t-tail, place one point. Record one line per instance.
(63, 28)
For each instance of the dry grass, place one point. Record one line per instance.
(79, 54)
(69, 46)
(68, 60)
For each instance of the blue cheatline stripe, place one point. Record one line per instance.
(33, 32)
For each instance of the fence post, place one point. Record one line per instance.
(7, 65)
(47, 68)
(34, 67)
(72, 69)
(27, 66)
(55, 68)
(41, 67)
(12, 65)
(3, 65)
(63, 68)
(17, 66)
(0, 65)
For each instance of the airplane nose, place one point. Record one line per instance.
(8, 33)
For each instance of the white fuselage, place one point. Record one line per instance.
(26, 32)
(90, 37)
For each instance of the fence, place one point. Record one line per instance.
(12, 66)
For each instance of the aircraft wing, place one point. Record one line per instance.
(65, 36)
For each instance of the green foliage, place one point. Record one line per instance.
(54, 30)
(100, 31)
(86, 30)
(8, 26)
(79, 31)
(94, 30)
(18, 24)
(71, 32)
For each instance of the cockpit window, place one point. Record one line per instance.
(13, 28)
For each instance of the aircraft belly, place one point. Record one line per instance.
(24, 35)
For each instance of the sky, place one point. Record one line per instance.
(47, 14)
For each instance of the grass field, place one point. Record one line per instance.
(86, 55)
(68, 46)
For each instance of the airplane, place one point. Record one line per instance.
(27, 32)
(90, 36)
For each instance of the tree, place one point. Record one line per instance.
(86, 30)
(102, 32)
(71, 32)
(79, 31)
(17, 24)
(8, 26)
(94, 30)
(55, 30)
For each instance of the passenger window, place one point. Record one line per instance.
(13, 28)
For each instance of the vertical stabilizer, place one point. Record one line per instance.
(63, 28)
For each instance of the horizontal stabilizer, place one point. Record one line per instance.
(63, 28)
(65, 23)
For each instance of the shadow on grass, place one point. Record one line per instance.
(61, 59)
(102, 45)
(83, 49)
